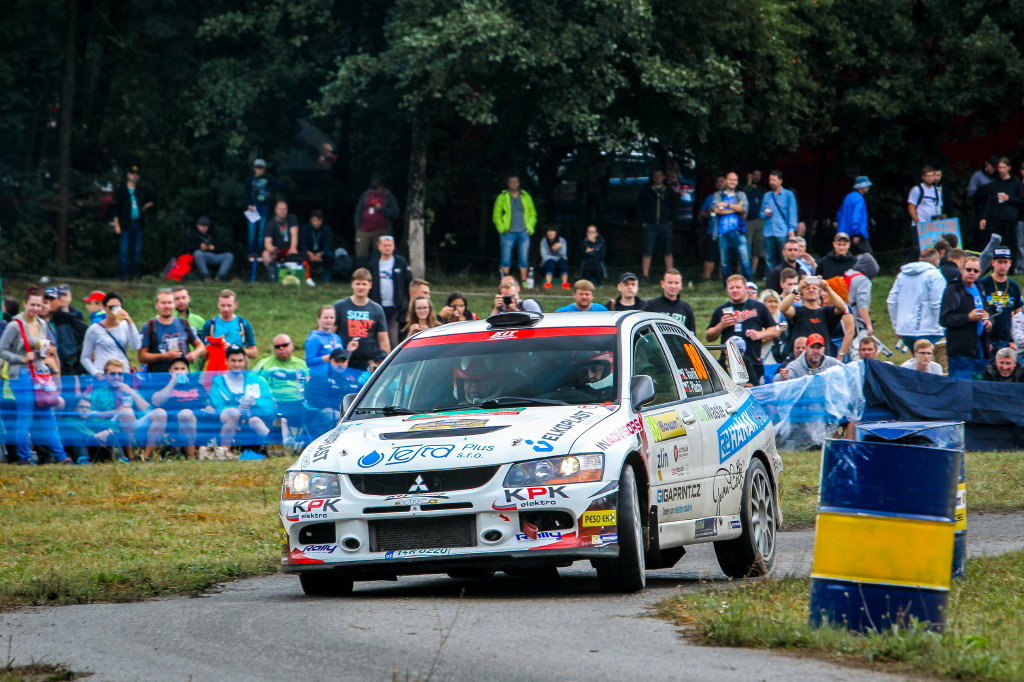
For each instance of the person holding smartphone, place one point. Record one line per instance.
(110, 338)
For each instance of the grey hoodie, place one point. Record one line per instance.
(915, 299)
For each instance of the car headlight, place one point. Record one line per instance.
(310, 485)
(566, 469)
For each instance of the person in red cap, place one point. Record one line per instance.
(94, 306)
(813, 360)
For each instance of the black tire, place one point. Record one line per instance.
(627, 572)
(752, 553)
(471, 574)
(330, 583)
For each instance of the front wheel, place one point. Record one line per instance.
(329, 583)
(752, 553)
(628, 571)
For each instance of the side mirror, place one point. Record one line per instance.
(737, 368)
(347, 401)
(641, 390)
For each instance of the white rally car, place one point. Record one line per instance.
(526, 442)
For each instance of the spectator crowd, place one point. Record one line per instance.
(85, 386)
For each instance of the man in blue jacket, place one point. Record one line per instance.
(852, 217)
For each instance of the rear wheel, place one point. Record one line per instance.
(626, 572)
(330, 583)
(753, 552)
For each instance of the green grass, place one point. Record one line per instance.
(126, 532)
(981, 641)
(994, 482)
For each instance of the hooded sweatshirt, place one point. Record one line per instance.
(915, 299)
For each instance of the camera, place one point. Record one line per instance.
(507, 300)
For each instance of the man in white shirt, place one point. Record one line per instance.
(924, 203)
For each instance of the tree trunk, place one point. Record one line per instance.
(67, 103)
(416, 202)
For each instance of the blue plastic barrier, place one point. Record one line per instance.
(884, 535)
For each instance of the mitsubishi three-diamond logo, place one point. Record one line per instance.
(419, 486)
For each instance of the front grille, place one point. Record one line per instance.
(423, 533)
(435, 481)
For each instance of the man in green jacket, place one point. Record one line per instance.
(515, 218)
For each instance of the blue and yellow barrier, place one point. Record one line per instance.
(884, 538)
(948, 435)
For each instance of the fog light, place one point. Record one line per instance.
(491, 535)
(351, 543)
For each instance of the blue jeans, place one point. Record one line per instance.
(773, 251)
(204, 259)
(555, 266)
(40, 422)
(131, 250)
(254, 234)
(730, 243)
(520, 241)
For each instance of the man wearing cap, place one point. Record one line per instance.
(201, 244)
(852, 217)
(391, 285)
(129, 207)
(1002, 298)
(747, 318)
(839, 259)
(94, 306)
(259, 197)
(627, 299)
(68, 329)
(812, 361)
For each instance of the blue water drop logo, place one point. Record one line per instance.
(370, 459)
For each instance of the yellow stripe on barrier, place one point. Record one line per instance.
(874, 549)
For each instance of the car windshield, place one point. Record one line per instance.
(570, 366)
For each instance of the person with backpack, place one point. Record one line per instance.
(166, 338)
(235, 330)
(924, 203)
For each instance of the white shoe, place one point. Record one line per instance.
(310, 282)
(203, 453)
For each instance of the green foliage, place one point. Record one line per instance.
(194, 93)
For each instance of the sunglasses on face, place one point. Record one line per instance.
(971, 270)
(282, 345)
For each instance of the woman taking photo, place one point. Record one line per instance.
(29, 348)
(110, 338)
(421, 317)
(455, 309)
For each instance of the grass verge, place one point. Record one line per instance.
(127, 532)
(994, 482)
(981, 640)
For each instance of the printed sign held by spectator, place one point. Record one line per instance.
(930, 232)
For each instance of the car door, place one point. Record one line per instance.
(669, 441)
(706, 407)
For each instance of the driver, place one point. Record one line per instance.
(580, 380)
(476, 382)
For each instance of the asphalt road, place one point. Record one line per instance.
(428, 628)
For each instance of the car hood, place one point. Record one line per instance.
(449, 440)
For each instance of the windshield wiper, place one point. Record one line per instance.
(462, 406)
(509, 400)
(387, 410)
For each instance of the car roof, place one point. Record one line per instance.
(555, 320)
